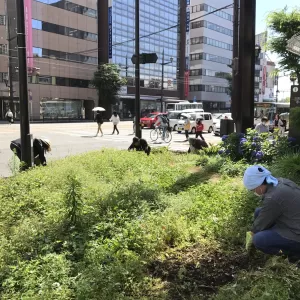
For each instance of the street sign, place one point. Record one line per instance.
(145, 58)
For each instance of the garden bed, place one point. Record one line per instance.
(118, 225)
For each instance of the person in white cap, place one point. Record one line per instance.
(276, 229)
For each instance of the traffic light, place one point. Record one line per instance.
(145, 58)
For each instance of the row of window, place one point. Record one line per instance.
(211, 57)
(63, 30)
(211, 73)
(208, 88)
(3, 76)
(2, 20)
(70, 6)
(59, 81)
(3, 48)
(207, 8)
(212, 26)
(53, 54)
(211, 42)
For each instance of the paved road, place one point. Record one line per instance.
(74, 138)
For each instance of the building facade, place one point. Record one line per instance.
(159, 33)
(264, 79)
(210, 47)
(62, 43)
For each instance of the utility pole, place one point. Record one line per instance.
(26, 151)
(162, 80)
(181, 65)
(138, 131)
(126, 67)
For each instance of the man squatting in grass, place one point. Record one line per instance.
(140, 145)
(276, 229)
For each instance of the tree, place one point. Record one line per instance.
(284, 25)
(108, 82)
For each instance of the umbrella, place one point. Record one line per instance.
(98, 109)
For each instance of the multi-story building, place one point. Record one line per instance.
(159, 32)
(264, 79)
(58, 32)
(210, 57)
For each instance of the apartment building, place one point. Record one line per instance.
(210, 53)
(59, 74)
(159, 34)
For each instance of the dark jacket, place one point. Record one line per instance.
(281, 210)
(99, 118)
(38, 149)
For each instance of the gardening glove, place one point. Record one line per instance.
(249, 241)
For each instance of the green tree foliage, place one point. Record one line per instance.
(108, 82)
(283, 26)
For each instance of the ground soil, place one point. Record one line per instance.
(197, 273)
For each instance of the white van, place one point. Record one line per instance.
(206, 117)
(174, 117)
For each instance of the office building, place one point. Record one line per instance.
(210, 53)
(159, 34)
(59, 72)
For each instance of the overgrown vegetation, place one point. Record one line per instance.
(120, 225)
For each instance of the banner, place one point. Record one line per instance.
(186, 83)
(264, 80)
(28, 33)
(110, 32)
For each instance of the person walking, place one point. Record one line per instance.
(99, 121)
(187, 127)
(199, 129)
(281, 126)
(115, 119)
(276, 229)
(9, 116)
(276, 121)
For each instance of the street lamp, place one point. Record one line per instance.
(163, 63)
(125, 68)
(257, 51)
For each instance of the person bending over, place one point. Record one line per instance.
(140, 145)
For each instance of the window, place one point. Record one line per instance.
(73, 7)
(206, 117)
(3, 48)
(2, 20)
(44, 79)
(212, 26)
(54, 28)
(207, 8)
(211, 57)
(3, 76)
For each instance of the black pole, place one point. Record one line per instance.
(126, 67)
(26, 155)
(162, 80)
(181, 65)
(138, 131)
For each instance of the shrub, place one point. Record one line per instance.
(254, 147)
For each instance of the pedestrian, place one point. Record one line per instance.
(40, 147)
(115, 119)
(199, 129)
(276, 121)
(276, 229)
(187, 127)
(9, 116)
(99, 121)
(140, 145)
(162, 122)
(281, 126)
(262, 127)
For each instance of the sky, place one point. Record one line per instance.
(263, 7)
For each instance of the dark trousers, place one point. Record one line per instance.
(199, 133)
(186, 134)
(115, 129)
(271, 242)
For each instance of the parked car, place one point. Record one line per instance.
(206, 120)
(150, 119)
(174, 117)
(217, 122)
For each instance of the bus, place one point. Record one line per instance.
(184, 105)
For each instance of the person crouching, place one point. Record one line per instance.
(140, 145)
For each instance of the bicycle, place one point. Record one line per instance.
(158, 132)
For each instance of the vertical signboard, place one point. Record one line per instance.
(110, 32)
(264, 80)
(295, 103)
(186, 83)
(28, 33)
